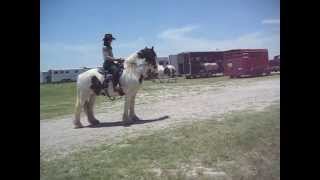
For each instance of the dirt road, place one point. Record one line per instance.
(170, 108)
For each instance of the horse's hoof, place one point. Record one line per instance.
(78, 126)
(127, 123)
(135, 118)
(95, 122)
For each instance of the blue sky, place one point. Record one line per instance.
(71, 31)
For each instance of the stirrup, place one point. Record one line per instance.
(108, 95)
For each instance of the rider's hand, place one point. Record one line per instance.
(121, 60)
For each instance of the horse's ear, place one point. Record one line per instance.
(152, 48)
(146, 47)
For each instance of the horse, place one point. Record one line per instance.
(165, 72)
(89, 85)
(170, 70)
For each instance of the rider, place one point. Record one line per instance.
(109, 63)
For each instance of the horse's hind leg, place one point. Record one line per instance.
(78, 108)
(88, 108)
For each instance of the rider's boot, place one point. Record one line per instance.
(115, 82)
(115, 85)
(118, 89)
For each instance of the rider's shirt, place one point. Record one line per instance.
(108, 56)
(107, 53)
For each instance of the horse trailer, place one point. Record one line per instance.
(275, 64)
(191, 64)
(246, 62)
(162, 60)
(173, 60)
(65, 75)
(44, 77)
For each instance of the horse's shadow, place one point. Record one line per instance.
(126, 124)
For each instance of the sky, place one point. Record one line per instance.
(71, 31)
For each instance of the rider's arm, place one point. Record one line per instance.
(109, 57)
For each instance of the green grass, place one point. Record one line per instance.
(57, 99)
(245, 145)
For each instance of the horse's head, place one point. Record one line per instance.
(150, 58)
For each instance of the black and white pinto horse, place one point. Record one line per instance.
(89, 85)
(167, 72)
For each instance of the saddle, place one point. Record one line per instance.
(109, 77)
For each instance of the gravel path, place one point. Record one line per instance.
(58, 138)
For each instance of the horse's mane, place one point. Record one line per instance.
(131, 61)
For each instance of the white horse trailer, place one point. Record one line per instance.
(64, 75)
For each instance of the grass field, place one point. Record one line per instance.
(245, 145)
(59, 99)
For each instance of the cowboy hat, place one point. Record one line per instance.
(108, 36)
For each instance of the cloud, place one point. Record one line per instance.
(177, 33)
(271, 21)
(176, 40)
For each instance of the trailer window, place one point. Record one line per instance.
(55, 72)
(67, 72)
(76, 71)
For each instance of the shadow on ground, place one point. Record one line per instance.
(121, 123)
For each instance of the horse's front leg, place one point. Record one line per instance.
(132, 113)
(126, 107)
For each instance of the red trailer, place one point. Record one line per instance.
(246, 62)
